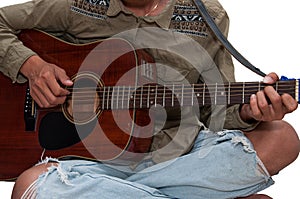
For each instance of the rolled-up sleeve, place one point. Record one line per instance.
(45, 15)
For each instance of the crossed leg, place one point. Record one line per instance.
(276, 143)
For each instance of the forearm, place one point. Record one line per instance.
(12, 54)
(13, 19)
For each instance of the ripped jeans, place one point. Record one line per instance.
(220, 165)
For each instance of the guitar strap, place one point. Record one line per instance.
(212, 25)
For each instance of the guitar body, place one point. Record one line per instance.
(118, 136)
(108, 116)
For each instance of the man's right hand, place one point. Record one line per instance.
(45, 82)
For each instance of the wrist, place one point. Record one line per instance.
(245, 113)
(29, 67)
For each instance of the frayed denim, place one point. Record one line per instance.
(221, 165)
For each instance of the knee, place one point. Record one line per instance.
(289, 139)
(27, 178)
(287, 142)
(276, 143)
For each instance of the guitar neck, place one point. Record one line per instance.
(176, 95)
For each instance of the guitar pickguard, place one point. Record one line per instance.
(57, 132)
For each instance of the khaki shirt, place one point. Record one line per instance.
(196, 56)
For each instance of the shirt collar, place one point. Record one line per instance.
(162, 20)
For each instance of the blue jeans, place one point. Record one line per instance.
(220, 165)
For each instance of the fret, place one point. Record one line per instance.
(148, 97)
(182, 94)
(259, 86)
(193, 93)
(118, 95)
(243, 95)
(229, 93)
(112, 98)
(123, 96)
(103, 98)
(107, 100)
(276, 88)
(164, 96)
(216, 92)
(134, 97)
(173, 87)
(203, 95)
(155, 97)
(141, 97)
(129, 96)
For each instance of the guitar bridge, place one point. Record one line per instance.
(29, 112)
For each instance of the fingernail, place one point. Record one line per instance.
(253, 96)
(68, 82)
(268, 80)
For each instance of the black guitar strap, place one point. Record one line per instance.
(212, 25)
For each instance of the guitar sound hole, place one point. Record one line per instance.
(83, 104)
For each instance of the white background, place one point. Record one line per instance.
(267, 34)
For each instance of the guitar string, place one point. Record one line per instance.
(135, 92)
(177, 90)
(168, 97)
(187, 90)
(235, 83)
(157, 87)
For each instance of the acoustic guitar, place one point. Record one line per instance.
(107, 116)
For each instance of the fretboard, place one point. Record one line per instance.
(174, 95)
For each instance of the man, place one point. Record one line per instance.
(191, 156)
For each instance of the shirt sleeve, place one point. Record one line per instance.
(40, 14)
